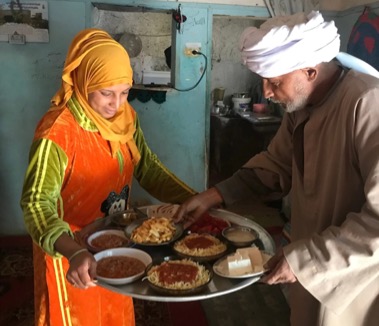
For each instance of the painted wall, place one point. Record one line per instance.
(177, 130)
(227, 69)
(29, 78)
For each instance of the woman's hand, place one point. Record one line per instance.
(82, 271)
(279, 271)
(196, 206)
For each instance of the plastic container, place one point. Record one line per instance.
(241, 104)
(156, 77)
(260, 108)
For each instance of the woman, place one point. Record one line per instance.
(85, 152)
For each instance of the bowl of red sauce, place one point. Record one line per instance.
(107, 239)
(121, 265)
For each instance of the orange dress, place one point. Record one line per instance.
(72, 179)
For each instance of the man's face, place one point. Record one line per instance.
(107, 101)
(289, 90)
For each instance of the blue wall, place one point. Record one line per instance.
(177, 130)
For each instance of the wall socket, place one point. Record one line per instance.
(192, 47)
(16, 38)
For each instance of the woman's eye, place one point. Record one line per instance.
(105, 93)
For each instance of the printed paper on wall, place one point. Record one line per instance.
(22, 22)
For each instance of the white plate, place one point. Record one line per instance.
(129, 252)
(220, 267)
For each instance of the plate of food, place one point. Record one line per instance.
(209, 224)
(154, 231)
(107, 239)
(178, 276)
(200, 247)
(121, 265)
(244, 263)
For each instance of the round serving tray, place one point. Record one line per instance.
(217, 287)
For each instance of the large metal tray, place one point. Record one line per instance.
(217, 287)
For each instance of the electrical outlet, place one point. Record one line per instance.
(192, 47)
(16, 38)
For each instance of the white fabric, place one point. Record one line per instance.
(286, 43)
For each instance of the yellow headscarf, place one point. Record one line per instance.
(95, 61)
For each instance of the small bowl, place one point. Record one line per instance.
(240, 236)
(128, 252)
(120, 240)
(124, 218)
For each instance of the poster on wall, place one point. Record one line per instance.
(24, 21)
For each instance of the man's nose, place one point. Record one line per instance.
(267, 90)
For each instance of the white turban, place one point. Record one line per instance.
(286, 43)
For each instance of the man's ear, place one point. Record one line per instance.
(311, 73)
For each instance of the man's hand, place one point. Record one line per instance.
(279, 271)
(193, 208)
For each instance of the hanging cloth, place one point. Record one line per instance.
(364, 38)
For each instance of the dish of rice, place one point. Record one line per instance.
(179, 275)
(200, 245)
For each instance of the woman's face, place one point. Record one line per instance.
(107, 101)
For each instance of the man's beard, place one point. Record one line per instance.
(297, 104)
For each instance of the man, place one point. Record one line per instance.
(327, 153)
